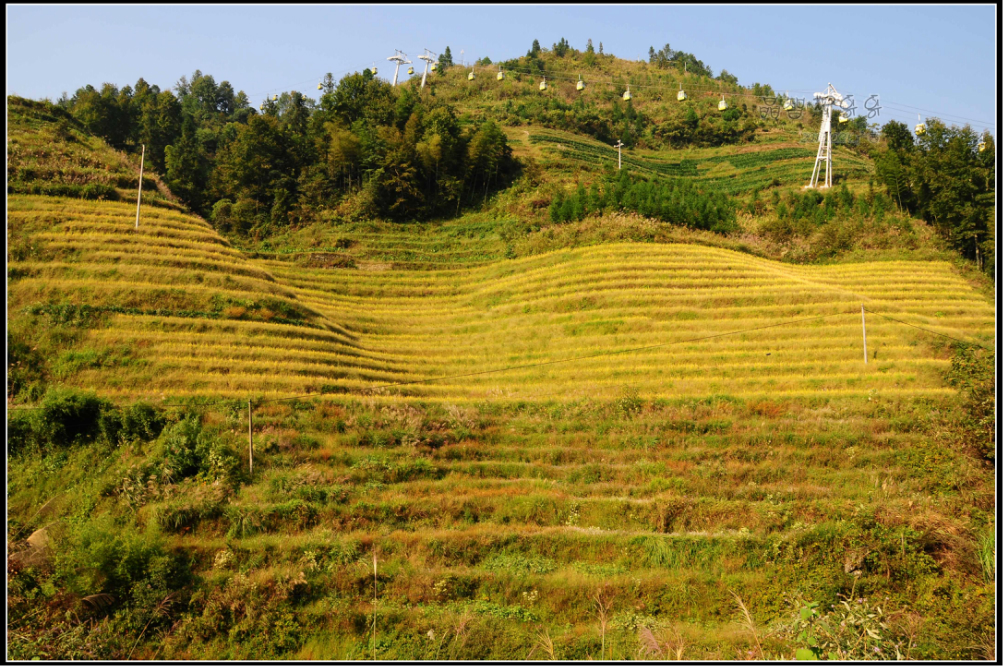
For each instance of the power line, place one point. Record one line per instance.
(937, 113)
(898, 321)
(951, 119)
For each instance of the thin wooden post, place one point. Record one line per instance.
(250, 440)
(863, 324)
(139, 196)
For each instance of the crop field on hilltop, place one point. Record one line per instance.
(730, 171)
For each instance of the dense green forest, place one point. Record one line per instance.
(405, 157)
(942, 177)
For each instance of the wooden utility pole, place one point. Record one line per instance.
(139, 196)
(250, 441)
(863, 324)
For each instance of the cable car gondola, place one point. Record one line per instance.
(627, 95)
(921, 127)
(435, 66)
(410, 70)
(680, 95)
(788, 104)
(320, 86)
(500, 75)
(470, 76)
(722, 105)
(580, 86)
(982, 146)
(543, 84)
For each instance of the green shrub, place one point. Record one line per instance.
(23, 431)
(99, 191)
(69, 417)
(142, 421)
(189, 508)
(98, 554)
(25, 364)
(190, 450)
(973, 372)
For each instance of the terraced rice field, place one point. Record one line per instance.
(53, 155)
(199, 318)
(372, 246)
(722, 435)
(730, 172)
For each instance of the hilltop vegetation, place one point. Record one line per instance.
(945, 178)
(366, 150)
(51, 153)
(508, 402)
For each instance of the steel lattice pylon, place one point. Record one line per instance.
(824, 154)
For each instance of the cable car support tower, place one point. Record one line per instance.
(401, 59)
(427, 57)
(827, 99)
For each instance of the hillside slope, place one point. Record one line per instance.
(612, 506)
(173, 279)
(186, 314)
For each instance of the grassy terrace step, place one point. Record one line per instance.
(395, 326)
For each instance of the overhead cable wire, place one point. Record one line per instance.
(953, 119)
(943, 335)
(916, 108)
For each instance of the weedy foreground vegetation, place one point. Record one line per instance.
(699, 483)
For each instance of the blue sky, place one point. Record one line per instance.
(938, 58)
